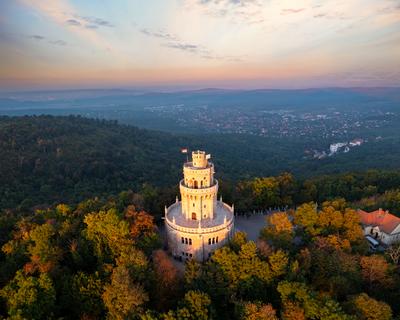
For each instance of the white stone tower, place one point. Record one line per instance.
(198, 224)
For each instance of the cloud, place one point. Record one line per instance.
(94, 21)
(42, 38)
(200, 51)
(192, 48)
(239, 11)
(36, 37)
(91, 26)
(63, 13)
(87, 22)
(291, 11)
(174, 42)
(158, 34)
(73, 22)
(58, 42)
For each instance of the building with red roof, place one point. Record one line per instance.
(381, 225)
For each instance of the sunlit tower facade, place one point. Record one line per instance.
(198, 223)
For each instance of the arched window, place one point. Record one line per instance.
(209, 240)
(190, 241)
(216, 240)
(194, 216)
(186, 241)
(196, 184)
(213, 241)
(183, 240)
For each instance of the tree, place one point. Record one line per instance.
(193, 273)
(239, 239)
(394, 253)
(352, 226)
(330, 219)
(142, 229)
(306, 216)
(292, 311)
(196, 305)
(122, 297)
(257, 311)
(279, 230)
(43, 249)
(266, 192)
(29, 297)
(367, 308)
(374, 270)
(314, 307)
(167, 282)
(108, 233)
(278, 262)
(86, 295)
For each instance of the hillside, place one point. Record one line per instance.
(46, 159)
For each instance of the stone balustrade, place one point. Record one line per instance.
(202, 230)
(198, 191)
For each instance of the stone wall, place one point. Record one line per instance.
(199, 246)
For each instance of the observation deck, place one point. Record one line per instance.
(222, 219)
(198, 190)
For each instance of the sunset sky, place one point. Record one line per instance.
(47, 44)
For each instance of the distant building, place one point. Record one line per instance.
(199, 223)
(356, 142)
(334, 147)
(381, 225)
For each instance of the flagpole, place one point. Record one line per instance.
(185, 150)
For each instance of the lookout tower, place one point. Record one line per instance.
(199, 223)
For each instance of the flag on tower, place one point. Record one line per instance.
(184, 150)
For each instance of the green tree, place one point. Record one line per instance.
(108, 233)
(238, 239)
(43, 249)
(266, 192)
(314, 307)
(86, 295)
(29, 297)
(123, 298)
(193, 275)
(196, 305)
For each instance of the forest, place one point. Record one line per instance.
(104, 259)
(81, 232)
(46, 160)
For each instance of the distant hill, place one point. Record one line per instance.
(265, 98)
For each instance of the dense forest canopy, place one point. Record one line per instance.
(75, 245)
(103, 259)
(46, 159)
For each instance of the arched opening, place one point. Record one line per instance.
(196, 184)
(194, 216)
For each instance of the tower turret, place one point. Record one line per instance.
(198, 188)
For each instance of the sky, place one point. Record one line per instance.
(66, 44)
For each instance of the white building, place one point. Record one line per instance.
(381, 225)
(199, 223)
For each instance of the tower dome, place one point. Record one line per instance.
(199, 223)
